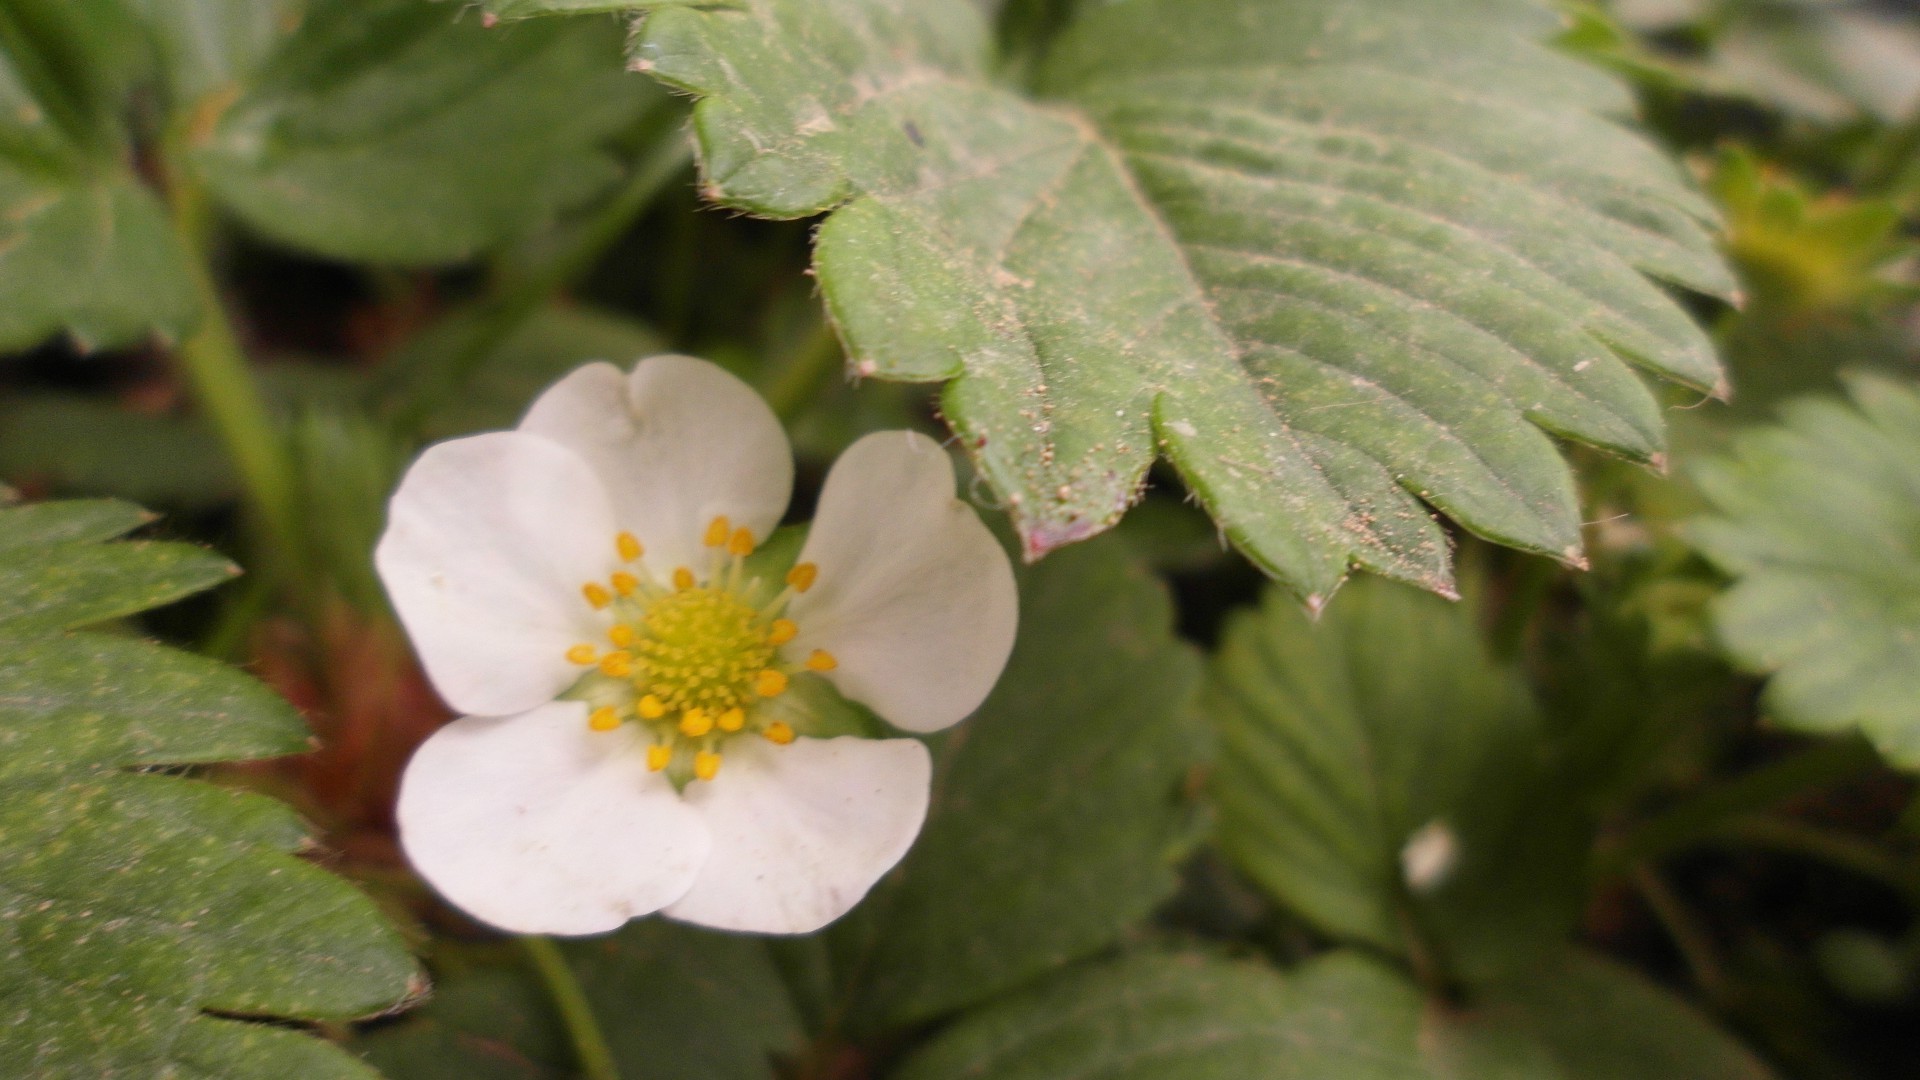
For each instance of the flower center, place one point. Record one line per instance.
(694, 660)
(701, 649)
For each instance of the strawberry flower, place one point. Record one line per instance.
(637, 738)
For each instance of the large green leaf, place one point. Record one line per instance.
(675, 1004)
(1338, 261)
(1819, 524)
(1391, 783)
(84, 248)
(134, 906)
(1172, 1017)
(1058, 809)
(399, 130)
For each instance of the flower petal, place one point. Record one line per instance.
(488, 542)
(677, 443)
(801, 832)
(915, 598)
(536, 824)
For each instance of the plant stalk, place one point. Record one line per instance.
(576, 1014)
(429, 386)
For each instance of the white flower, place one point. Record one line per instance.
(633, 744)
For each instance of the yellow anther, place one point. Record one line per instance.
(604, 718)
(733, 719)
(629, 546)
(781, 632)
(624, 583)
(695, 723)
(740, 543)
(659, 756)
(802, 576)
(770, 683)
(779, 732)
(718, 531)
(650, 708)
(596, 594)
(822, 660)
(620, 634)
(682, 578)
(582, 654)
(617, 664)
(706, 764)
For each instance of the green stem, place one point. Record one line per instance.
(1835, 849)
(815, 361)
(222, 381)
(589, 1044)
(1690, 937)
(1706, 815)
(503, 315)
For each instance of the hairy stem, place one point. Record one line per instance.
(222, 381)
(589, 1043)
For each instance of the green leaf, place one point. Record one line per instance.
(551, 343)
(135, 904)
(84, 248)
(1175, 1017)
(1334, 260)
(674, 1003)
(1819, 525)
(1387, 780)
(398, 131)
(65, 443)
(1057, 812)
(54, 580)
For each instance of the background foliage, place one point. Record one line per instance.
(1596, 322)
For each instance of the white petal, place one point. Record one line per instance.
(915, 597)
(488, 542)
(677, 443)
(801, 832)
(538, 825)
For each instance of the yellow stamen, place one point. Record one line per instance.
(733, 719)
(740, 543)
(596, 594)
(659, 756)
(650, 708)
(718, 531)
(802, 576)
(617, 664)
(770, 683)
(822, 660)
(604, 718)
(695, 723)
(706, 764)
(624, 583)
(781, 632)
(779, 733)
(582, 654)
(682, 578)
(620, 634)
(629, 546)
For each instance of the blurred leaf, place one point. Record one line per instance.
(1800, 254)
(1173, 1017)
(1331, 259)
(675, 1003)
(84, 248)
(400, 131)
(1057, 812)
(133, 905)
(1819, 525)
(210, 48)
(68, 444)
(550, 343)
(1387, 780)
